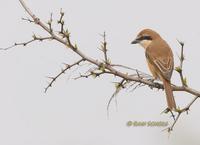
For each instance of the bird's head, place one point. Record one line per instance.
(146, 37)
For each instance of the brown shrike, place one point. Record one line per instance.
(159, 59)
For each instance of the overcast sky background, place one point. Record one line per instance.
(74, 112)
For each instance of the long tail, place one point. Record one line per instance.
(169, 95)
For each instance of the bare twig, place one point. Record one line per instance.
(53, 79)
(118, 87)
(35, 38)
(179, 69)
(50, 23)
(28, 20)
(61, 22)
(104, 48)
(91, 73)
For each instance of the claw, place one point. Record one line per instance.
(167, 110)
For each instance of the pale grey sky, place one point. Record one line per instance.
(74, 112)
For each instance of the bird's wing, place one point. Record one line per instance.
(164, 64)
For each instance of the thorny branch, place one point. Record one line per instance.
(104, 67)
(67, 66)
(104, 48)
(35, 38)
(180, 111)
(179, 69)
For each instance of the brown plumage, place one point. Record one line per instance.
(159, 59)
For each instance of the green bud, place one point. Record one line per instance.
(102, 67)
(67, 33)
(117, 85)
(178, 69)
(62, 13)
(75, 47)
(34, 37)
(49, 22)
(185, 81)
(62, 22)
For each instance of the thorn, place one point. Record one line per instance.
(61, 12)
(180, 42)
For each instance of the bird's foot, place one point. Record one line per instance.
(167, 110)
(155, 84)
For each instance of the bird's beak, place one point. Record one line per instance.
(135, 41)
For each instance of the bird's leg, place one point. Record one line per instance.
(153, 79)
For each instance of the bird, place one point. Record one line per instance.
(160, 60)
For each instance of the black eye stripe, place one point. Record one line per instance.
(144, 38)
(147, 38)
